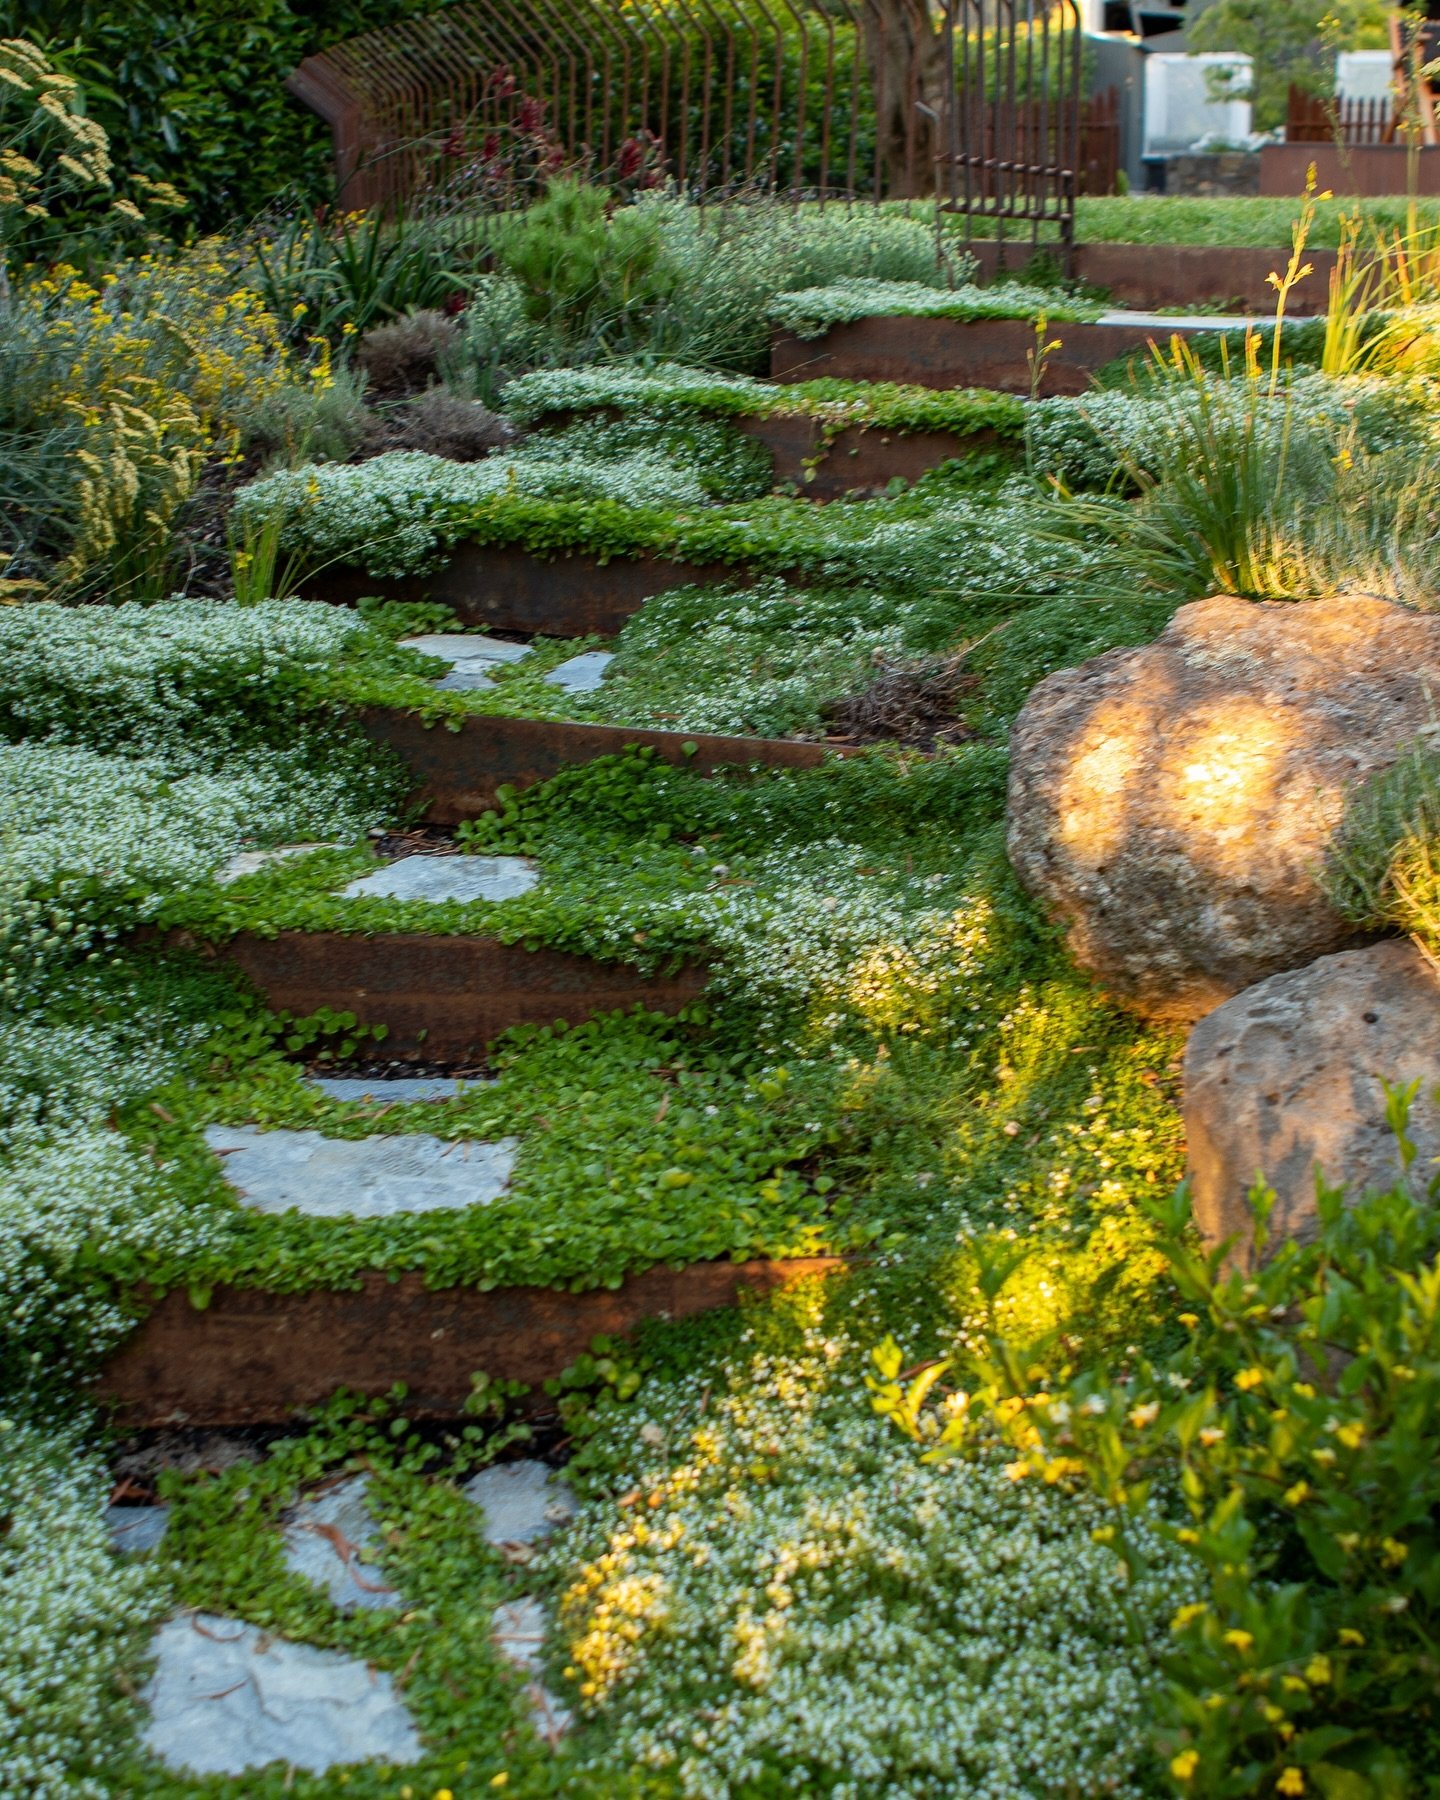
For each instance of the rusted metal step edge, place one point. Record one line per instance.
(458, 773)
(254, 1357)
(1183, 274)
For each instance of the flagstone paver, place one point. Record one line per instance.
(134, 1529)
(327, 1537)
(582, 674)
(226, 1697)
(402, 1089)
(522, 1501)
(438, 878)
(365, 1178)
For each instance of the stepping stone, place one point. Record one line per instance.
(136, 1528)
(226, 1697)
(438, 878)
(326, 1537)
(470, 658)
(582, 674)
(522, 1501)
(390, 1089)
(1167, 322)
(369, 1178)
(250, 862)
(518, 1629)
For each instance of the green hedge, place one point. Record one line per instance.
(193, 91)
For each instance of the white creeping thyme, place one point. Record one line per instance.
(791, 1588)
(69, 1606)
(398, 513)
(157, 677)
(76, 825)
(810, 312)
(545, 391)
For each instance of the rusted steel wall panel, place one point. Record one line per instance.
(444, 997)
(953, 353)
(257, 1358)
(1149, 275)
(859, 459)
(511, 590)
(458, 773)
(1371, 170)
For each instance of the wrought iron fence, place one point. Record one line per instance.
(1011, 118)
(806, 98)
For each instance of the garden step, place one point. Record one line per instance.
(442, 997)
(1185, 274)
(396, 1090)
(442, 878)
(506, 589)
(227, 1697)
(522, 1501)
(990, 353)
(458, 773)
(472, 657)
(253, 1357)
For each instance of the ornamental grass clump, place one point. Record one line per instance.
(1383, 870)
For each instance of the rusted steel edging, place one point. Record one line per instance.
(439, 996)
(503, 589)
(253, 1357)
(458, 774)
(861, 459)
(956, 353)
(1148, 275)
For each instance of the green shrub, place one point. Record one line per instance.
(1296, 1413)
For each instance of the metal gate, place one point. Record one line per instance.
(1010, 124)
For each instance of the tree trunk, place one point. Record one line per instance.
(905, 49)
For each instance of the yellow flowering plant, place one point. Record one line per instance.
(1292, 1428)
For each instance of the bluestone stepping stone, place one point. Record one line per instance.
(522, 1501)
(326, 1537)
(438, 878)
(226, 1697)
(136, 1528)
(368, 1178)
(390, 1089)
(250, 862)
(518, 1629)
(581, 674)
(461, 647)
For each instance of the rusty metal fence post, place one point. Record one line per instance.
(1011, 151)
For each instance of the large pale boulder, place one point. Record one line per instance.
(1287, 1078)
(1173, 804)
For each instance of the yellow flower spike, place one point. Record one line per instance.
(1183, 1766)
(1240, 1640)
(1291, 1781)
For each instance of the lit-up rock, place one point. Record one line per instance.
(1286, 1077)
(1172, 805)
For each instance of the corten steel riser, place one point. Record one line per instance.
(1149, 275)
(442, 997)
(458, 774)
(510, 590)
(957, 353)
(251, 1357)
(858, 460)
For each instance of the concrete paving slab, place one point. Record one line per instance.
(250, 862)
(327, 1538)
(522, 1501)
(439, 878)
(227, 1697)
(581, 674)
(390, 1090)
(134, 1529)
(367, 1178)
